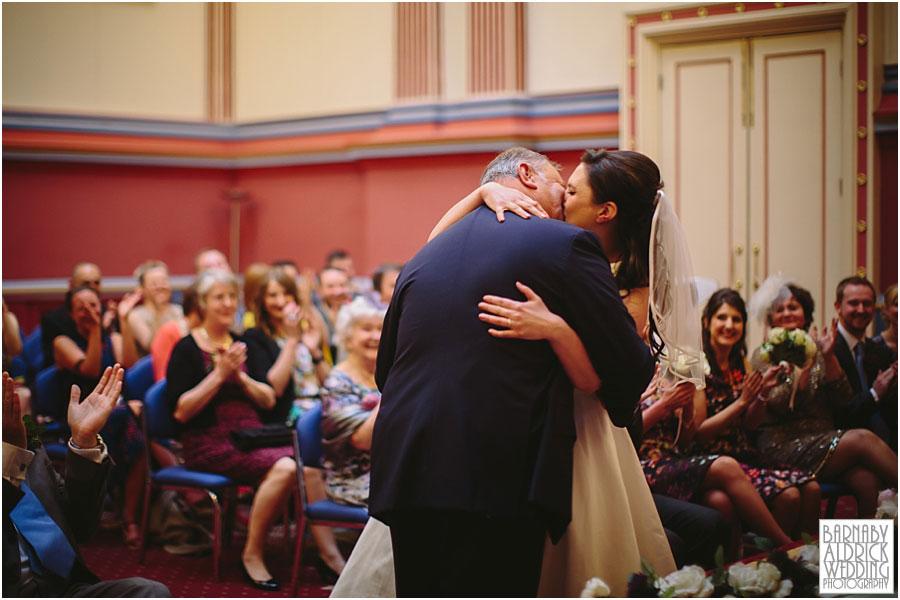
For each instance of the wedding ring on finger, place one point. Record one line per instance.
(508, 323)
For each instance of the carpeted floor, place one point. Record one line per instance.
(192, 576)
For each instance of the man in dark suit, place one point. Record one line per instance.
(870, 367)
(44, 516)
(472, 449)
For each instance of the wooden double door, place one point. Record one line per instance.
(751, 155)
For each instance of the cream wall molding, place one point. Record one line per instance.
(571, 121)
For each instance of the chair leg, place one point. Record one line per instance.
(298, 545)
(145, 518)
(831, 507)
(217, 536)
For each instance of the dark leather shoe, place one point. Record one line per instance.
(269, 585)
(328, 575)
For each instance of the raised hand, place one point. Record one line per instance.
(87, 418)
(529, 320)
(312, 336)
(13, 427)
(827, 340)
(128, 302)
(229, 360)
(500, 199)
(883, 380)
(107, 319)
(292, 323)
(680, 396)
(752, 386)
(770, 378)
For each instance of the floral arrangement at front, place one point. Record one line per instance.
(795, 347)
(779, 575)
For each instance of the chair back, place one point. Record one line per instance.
(309, 430)
(139, 378)
(157, 416)
(32, 350)
(50, 398)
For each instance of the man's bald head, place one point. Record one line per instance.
(85, 274)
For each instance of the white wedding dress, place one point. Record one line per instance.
(614, 522)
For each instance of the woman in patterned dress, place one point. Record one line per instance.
(350, 401)
(735, 402)
(211, 395)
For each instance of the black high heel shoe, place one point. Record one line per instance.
(328, 575)
(269, 585)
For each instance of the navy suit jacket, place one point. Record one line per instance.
(75, 504)
(474, 423)
(862, 406)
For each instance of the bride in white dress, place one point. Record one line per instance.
(614, 519)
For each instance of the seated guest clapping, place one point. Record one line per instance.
(157, 308)
(284, 348)
(211, 395)
(798, 425)
(81, 357)
(350, 401)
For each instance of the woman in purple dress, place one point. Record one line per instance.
(211, 395)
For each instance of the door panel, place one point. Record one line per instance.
(701, 118)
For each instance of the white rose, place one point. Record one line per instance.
(784, 588)
(809, 553)
(887, 505)
(689, 582)
(764, 351)
(797, 337)
(777, 335)
(762, 579)
(595, 588)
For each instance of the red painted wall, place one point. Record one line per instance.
(56, 214)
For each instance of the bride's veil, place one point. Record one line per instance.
(673, 300)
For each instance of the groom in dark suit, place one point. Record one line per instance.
(44, 516)
(472, 448)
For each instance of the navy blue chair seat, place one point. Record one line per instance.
(832, 492)
(138, 378)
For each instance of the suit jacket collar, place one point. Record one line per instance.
(851, 339)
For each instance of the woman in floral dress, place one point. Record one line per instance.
(735, 402)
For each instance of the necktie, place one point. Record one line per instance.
(858, 353)
(53, 550)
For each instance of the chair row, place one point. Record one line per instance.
(158, 426)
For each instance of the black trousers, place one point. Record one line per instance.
(453, 554)
(695, 532)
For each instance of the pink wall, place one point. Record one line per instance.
(55, 214)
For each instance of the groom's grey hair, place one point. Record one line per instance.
(506, 164)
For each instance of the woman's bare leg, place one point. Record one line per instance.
(785, 507)
(269, 499)
(810, 507)
(726, 474)
(862, 448)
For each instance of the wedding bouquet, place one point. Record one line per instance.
(795, 347)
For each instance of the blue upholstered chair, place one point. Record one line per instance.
(308, 449)
(139, 378)
(158, 426)
(51, 400)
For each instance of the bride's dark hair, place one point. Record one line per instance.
(630, 180)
